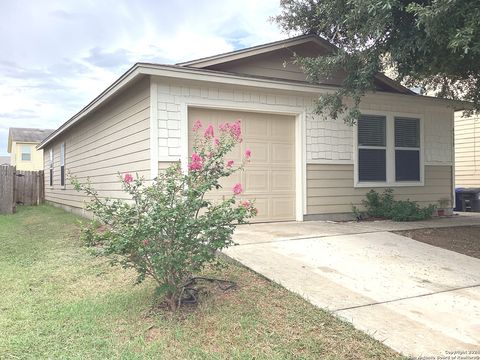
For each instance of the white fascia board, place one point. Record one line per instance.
(178, 72)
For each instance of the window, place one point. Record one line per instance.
(389, 150)
(407, 149)
(26, 153)
(62, 164)
(372, 148)
(51, 167)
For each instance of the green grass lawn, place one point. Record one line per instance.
(57, 301)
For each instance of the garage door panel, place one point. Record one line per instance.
(282, 180)
(283, 208)
(256, 181)
(253, 127)
(283, 153)
(262, 205)
(260, 151)
(236, 154)
(282, 129)
(228, 183)
(269, 178)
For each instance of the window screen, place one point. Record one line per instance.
(371, 130)
(26, 153)
(372, 148)
(62, 164)
(51, 167)
(372, 165)
(407, 132)
(407, 149)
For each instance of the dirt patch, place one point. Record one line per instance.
(462, 239)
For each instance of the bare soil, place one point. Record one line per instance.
(461, 239)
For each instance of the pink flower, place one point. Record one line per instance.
(209, 132)
(248, 154)
(197, 125)
(245, 203)
(196, 163)
(230, 163)
(235, 129)
(128, 178)
(146, 242)
(217, 142)
(237, 189)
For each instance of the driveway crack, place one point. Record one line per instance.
(406, 298)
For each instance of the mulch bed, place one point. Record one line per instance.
(462, 239)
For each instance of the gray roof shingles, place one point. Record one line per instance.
(28, 134)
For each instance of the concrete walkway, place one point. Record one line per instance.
(418, 299)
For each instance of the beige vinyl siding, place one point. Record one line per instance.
(164, 165)
(330, 188)
(113, 139)
(277, 64)
(467, 151)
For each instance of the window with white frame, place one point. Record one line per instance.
(372, 148)
(389, 150)
(62, 164)
(407, 149)
(51, 166)
(26, 153)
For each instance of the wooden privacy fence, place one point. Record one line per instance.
(29, 187)
(20, 187)
(7, 189)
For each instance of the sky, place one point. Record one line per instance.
(56, 56)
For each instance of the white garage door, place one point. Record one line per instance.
(269, 178)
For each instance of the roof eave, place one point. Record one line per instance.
(186, 73)
(254, 50)
(119, 84)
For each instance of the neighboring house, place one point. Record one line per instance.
(303, 167)
(467, 150)
(22, 143)
(4, 160)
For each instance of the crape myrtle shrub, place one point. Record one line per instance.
(168, 229)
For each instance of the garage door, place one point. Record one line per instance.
(269, 178)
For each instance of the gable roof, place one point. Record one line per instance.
(195, 71)
(315, 40)
(256, 50)
(28, 135)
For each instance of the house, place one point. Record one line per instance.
(303, 166)
(467, 150)
(22, 144)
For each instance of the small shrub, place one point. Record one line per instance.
(385, 206)
(168, 230)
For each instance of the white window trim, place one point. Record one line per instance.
(390, 151)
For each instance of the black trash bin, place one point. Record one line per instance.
(470, 200)
(458, 199)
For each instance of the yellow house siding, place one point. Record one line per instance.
(114, 139)
(330, 188)
(467, 151)
(36, 160)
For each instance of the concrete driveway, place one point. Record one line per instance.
(416, 298)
